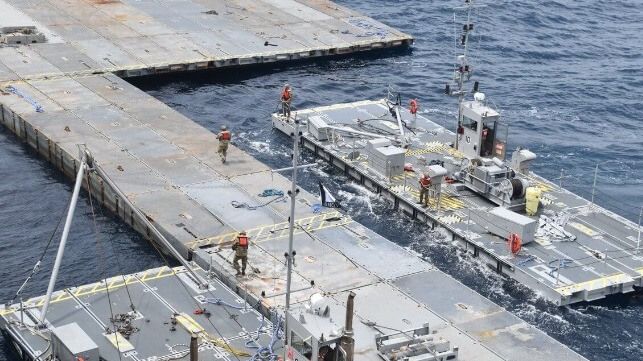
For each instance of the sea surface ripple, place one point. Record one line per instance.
(565, 75)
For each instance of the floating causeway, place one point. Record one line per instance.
(134, 37)
(563, 272)
(70, 92)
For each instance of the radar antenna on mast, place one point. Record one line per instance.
(462, 71)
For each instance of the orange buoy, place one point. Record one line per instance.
(515, 243)
(413, 108)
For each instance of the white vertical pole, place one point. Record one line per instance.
(638, 240)
(63, 239)
(560, 181)
(594, 187)
(291, 234)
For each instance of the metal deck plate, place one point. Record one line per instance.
(138, 141)
(597, 230)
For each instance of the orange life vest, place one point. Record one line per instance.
(286, 94)
(225, 135)
(425, 182)
(243, 241)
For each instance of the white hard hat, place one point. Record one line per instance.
(224, 127)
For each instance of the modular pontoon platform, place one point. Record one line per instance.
(561, 271)
(62, 94)
(154, 313)
(134, 38)
(168, 167)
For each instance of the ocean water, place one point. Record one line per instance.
(565, 75)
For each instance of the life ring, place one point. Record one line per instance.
(515, 243)
(413, 107)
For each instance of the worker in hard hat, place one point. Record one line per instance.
(286, 99)
(224, 139)
(240, 248)
(425, 183)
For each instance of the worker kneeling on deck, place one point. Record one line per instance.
(240, 247)
(224, 140)
(425, 184)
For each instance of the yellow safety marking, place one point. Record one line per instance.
(120, 342)
(97, 287)
(432, 147)
(406, 175)
(450, 219)
(188, 323)
(447, 202)
(360, 158)
(276, 230)
(583, 228)
(544, 187)
(594, 284)
(453, 152)
(640, 270)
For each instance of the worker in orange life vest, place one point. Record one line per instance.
(224, 140)
(240, 247)
(425, 183)
(286, 99)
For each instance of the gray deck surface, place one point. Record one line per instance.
(157, 294)
(584, 276)
(168, 166)
(140, 37)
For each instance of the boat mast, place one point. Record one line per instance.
(463, 72)
(63, 238)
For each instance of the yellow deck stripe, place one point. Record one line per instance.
(282, 227)
(94, 288)
(598, 283)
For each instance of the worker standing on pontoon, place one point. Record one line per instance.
(425, 183)
(240, 248)
(286, 99)
(224, 140)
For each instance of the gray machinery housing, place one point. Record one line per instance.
(502, 222)
(437, 174)
(317, 127)
(15, 35)
(482, 138)
(521, 160)
(421, 347)
(71, 343)
(496, 182)
(385, 158)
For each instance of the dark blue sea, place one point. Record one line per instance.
(566, 75)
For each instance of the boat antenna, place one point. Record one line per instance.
(462, 71)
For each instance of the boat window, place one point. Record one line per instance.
(301, 345)
(469, 123)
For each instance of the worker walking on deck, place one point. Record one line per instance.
(240, 248)
(224, 139)
(286, 99)
(425, 183)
